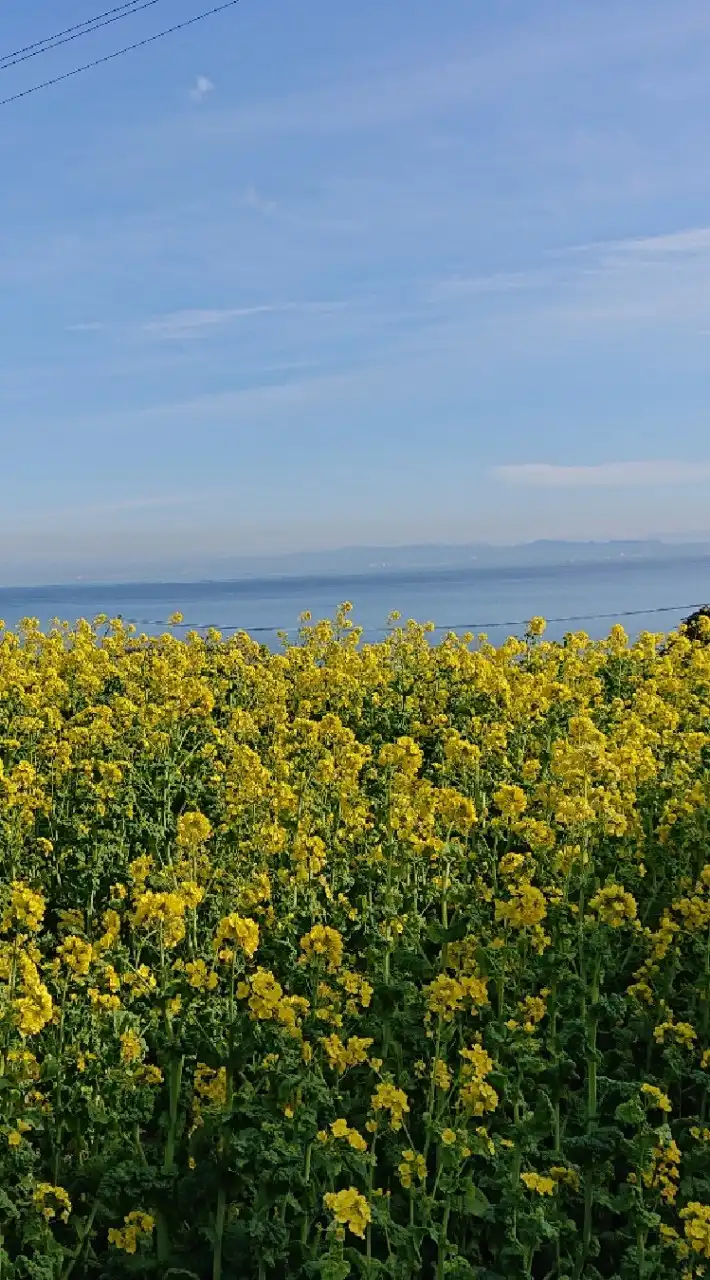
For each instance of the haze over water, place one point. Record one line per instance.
(650, 594)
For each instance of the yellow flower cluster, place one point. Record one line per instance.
(341, 1129)
(614, 906)
(391, 1100)
(240, 930)
(380, 939)
(696, 1218)
(137, 1225)
(323, 942)
(52, 1202)
(539, 1183)
(350, 1209)
(413, 1166)
(476, 1095)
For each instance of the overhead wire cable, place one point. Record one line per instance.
(459, 626)
(74, 33)
(119, 53)
(53, 42)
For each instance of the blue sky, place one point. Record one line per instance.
(316, 274)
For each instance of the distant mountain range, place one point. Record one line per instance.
(345, 561)
(349, 560)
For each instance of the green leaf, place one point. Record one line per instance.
(456, 932)
(475, 1202)
(630, 1112)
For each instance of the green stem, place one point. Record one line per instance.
(592, 1014)
(83, 1237)
(221, 1210)
(441, 1261)
(587, 1223)
(219, 1233)
(429, 1117)
(370, 1185)
(175, 1080)
(592, 1021)
(641, 1251)
(59, 1083)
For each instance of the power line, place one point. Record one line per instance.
(460, 626)
(139, 44)
(67, 31)
(64, 37)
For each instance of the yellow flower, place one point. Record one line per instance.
(477, 1096)
(52, 1201)
(614, 906)
(448, 1137)
(139, 870)
(34, 1008)
(681, 1032)
(200, 977)
(326, 942)
(525, 908)
(240, 929)
(349, 1209)
(211, 1084)
(341, 1129)
(564, 1176)
(388, 1098)
(76, 954)
(193, 830)
(441, 1074)
(137, 1225)
(511, 801)
(148, 1074)
(162, 911)
(131, 1047)
(446, 995)
(25, 909)
(536, 627)
(341, 1056)
(656, 1097)
(538, 1183)
(696, 1217)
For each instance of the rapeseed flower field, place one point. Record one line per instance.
(384, 960)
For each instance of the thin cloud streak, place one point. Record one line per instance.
(188, 323)
(610, 287)
(192, 322)
(653, 471)
(147, 503)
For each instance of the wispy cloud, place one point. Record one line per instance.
(253, 199)
(201, 88)
(191, 323)
(497, 282)
(148, 503)
(603, 288)
(692, 241)
(653, 471)
(394, 95)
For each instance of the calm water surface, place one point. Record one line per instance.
(643, 594)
